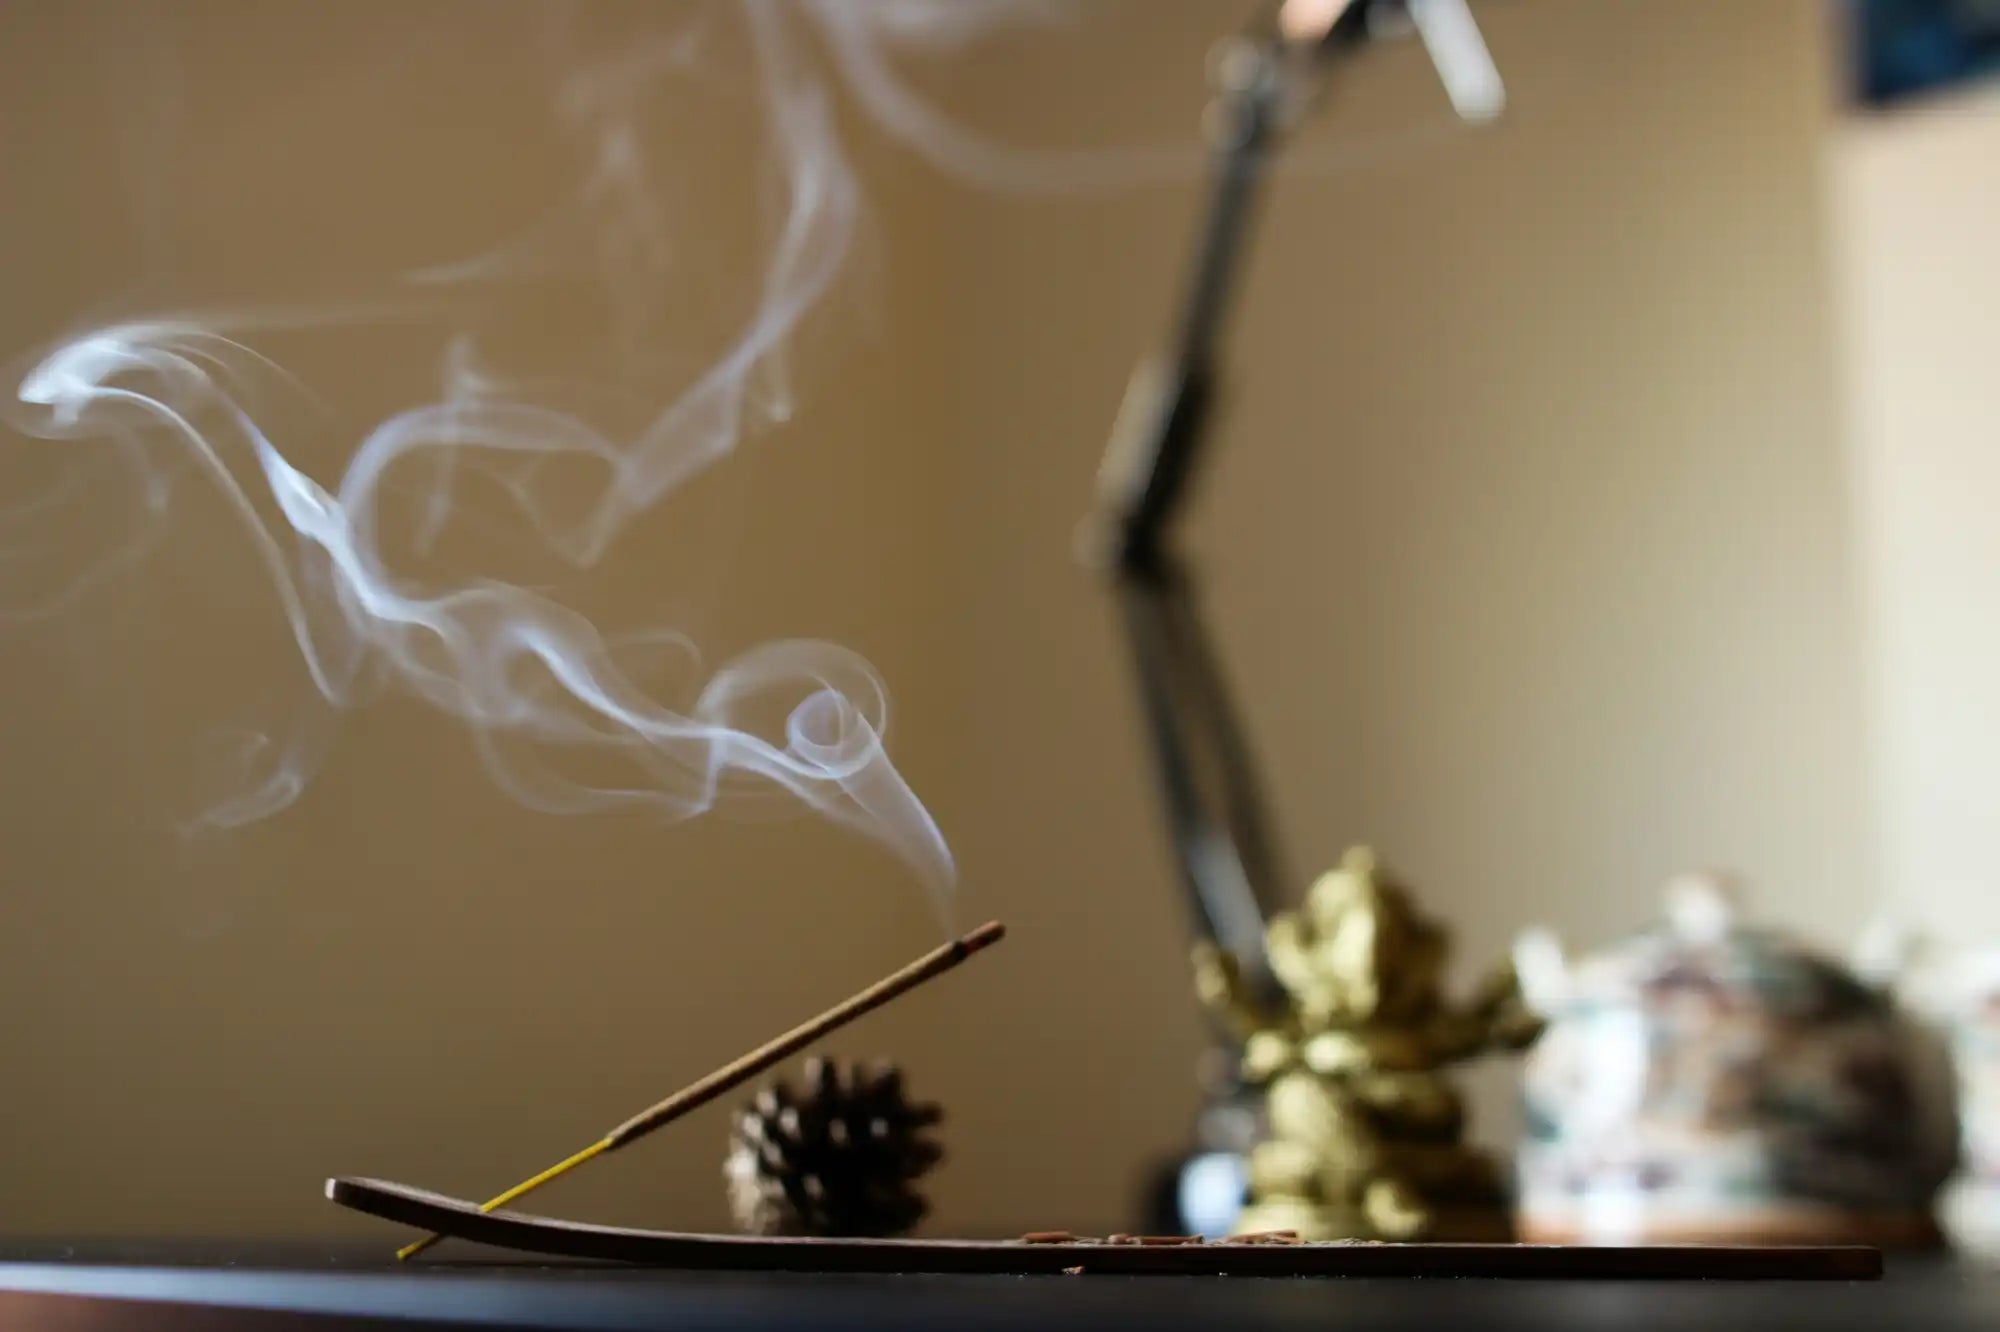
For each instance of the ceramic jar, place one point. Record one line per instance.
(1707, 1080)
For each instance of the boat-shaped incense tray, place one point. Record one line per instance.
(1058, 1253)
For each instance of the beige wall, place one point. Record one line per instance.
(1526, 540)
(1913, 199)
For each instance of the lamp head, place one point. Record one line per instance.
(1330, 28)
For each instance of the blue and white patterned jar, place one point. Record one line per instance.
(1708, 1081)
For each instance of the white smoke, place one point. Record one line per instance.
(862, 34)
(537, 683)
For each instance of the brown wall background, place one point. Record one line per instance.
(1527, 542)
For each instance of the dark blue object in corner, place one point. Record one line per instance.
(1906, 48)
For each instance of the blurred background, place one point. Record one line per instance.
(1599, 494)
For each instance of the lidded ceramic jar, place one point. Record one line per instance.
(1711, 1081)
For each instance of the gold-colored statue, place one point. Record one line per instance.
(1365, 1133)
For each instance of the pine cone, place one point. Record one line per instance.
(836, 1155)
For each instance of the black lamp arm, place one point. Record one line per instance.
(1202, 760)
(1207, 778)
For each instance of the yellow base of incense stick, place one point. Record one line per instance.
(927, 967)
(409, 1251)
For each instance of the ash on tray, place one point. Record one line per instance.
(1169, 1241)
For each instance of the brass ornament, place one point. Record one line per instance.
(1365, 1132)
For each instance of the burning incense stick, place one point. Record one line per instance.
(692, 1097)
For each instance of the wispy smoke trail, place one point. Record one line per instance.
(861, 36)
(538, 684)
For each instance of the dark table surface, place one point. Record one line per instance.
(252, 1287)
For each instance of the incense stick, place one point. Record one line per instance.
(738, 1071)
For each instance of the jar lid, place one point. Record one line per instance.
(1701, 947)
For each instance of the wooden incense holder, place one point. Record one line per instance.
(741, 1069)
(664, 1248)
